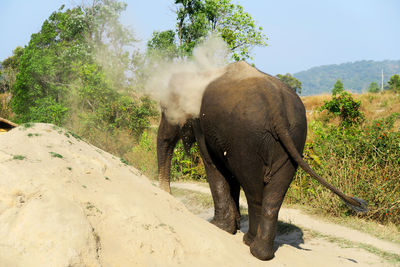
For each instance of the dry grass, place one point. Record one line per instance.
(371, 174)
(379, 105)
(373, 106)
(5, 108)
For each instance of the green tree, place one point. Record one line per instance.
(236, 27)
(290, 81)
(163, 44)
(78, 65)
(338, 88)
(46, 67)
(9, 69)
(394, 83)
(197, 19)
(373, 88)
(111, 41)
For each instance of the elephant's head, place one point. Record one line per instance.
(167, 137)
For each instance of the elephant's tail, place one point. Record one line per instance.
(356, 204)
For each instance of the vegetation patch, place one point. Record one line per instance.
(390, 257)
(124, 161)
(362, 160)
(91, 207)
(69, 133)
(196, 202)
(27, 125)
(19, 157)
(56, 155)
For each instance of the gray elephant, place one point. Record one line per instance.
(251, 132)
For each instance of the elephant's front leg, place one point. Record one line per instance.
(274, 192)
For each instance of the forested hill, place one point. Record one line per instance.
(356, 76)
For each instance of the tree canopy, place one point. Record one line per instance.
(78, 65)
(9, 69)
(337, 88)
(197, 19)
(290, 81)
(394, 83)
(373, 87)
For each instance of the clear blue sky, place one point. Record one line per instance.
(302, 33)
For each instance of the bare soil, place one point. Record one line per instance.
(322, 243)
(64, 202)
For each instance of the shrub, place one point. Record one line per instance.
(46, 110)
(373, 88)
(338, 88)
(345, 107)
(394, 83)
(362, 160)
(187, 167)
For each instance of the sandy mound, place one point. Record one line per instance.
(64, 202)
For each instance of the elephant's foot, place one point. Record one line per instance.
(262, 250)
(248, 238)
(227, 225)
(227, 219)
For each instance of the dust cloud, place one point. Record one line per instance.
(179, 85)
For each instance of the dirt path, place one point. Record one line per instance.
(321, 242)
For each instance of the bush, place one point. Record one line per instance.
(46, 110)
(394, 83)
(187, 167)
(363, 161)
(345, 107)
(143, 155)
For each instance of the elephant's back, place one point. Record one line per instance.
(250, 99)
(246, 110)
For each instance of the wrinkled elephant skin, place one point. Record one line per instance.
(251, 132)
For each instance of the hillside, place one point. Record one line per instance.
(356, 76)
(64, 202)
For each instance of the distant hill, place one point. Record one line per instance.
(356, 76)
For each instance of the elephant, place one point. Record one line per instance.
(251, 131)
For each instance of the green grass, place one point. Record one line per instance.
(27, 125)
(33, 134)
(56, 155)
(389, 232)
(77, 137)
(390, 257)
(19, 157)
(124, 161)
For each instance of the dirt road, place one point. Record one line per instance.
(313, 242)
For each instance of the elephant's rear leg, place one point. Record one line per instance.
(274, 192)
(226, 199)
(226, 212)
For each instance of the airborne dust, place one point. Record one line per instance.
(179, 85)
